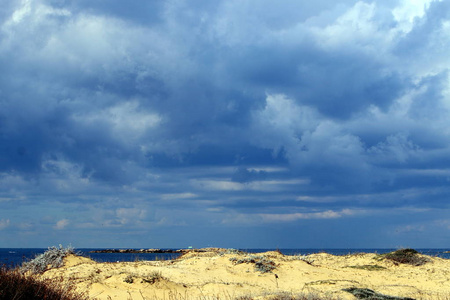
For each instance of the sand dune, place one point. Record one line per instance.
(220, 273)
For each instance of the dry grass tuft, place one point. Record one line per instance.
(299, 296)
(18, 286)
(368, 267)
(153, 277)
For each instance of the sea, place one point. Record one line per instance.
(13, 257)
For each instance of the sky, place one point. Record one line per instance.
(237, 123)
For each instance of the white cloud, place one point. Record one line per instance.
(130, 215)
(217, 185)
(4, 223)
(408, 229)
(62, 224)
(20, 13)
(128, 122)
(255, 185)
(309, 139)
(282, 121)
(177, 196)
(289, 217)
(408, 11)
(356, 26)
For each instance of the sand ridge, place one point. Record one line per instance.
(219, 273)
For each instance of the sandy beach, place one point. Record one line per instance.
(221, 273)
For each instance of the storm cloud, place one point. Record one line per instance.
(171, 123)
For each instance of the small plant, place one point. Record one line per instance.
(94, 276)
(53, 257)
(369, 267)
(265, 265)
(129, 279)
(262, 264)
(406, 256)
(153, 277)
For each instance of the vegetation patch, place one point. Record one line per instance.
(52, 258)
(233, 251)
(330, 281)
(153, 277)
(129, 279)
(18, 286)
(319, 282)
(304, 258)
(368, 267)
(405, 256)
(296, 296)
(360, 293)
(262, 263)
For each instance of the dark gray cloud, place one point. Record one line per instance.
(163, 116)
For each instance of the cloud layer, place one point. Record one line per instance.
(233, 123)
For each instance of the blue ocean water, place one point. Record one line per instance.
(12, 257)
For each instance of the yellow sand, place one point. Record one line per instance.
(212, 275)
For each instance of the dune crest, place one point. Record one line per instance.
(220, 272)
